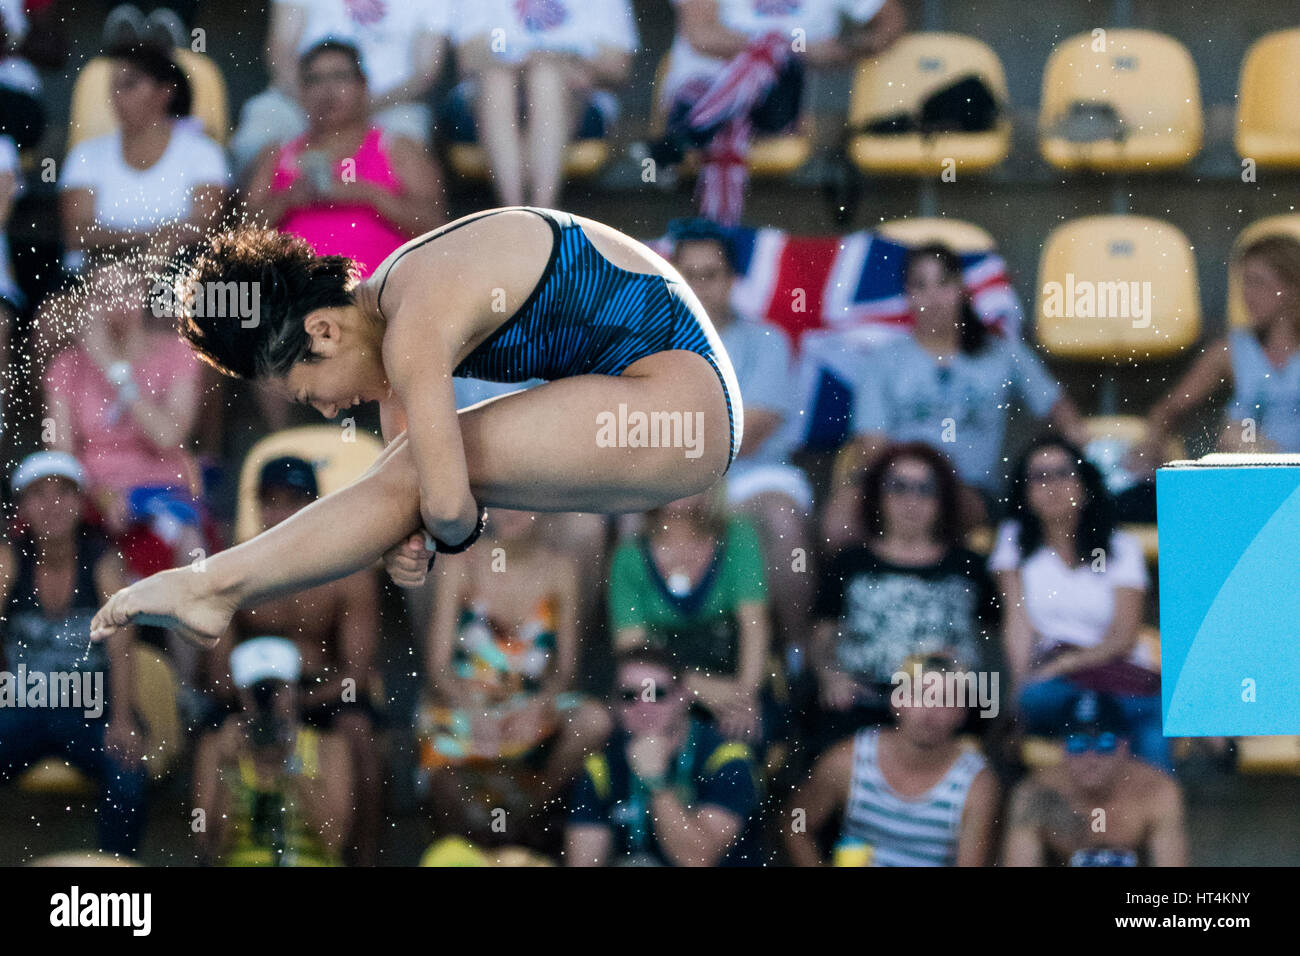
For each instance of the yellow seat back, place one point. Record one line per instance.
(340, 457)
(92, 108)
(1117, 289)
(1287, 224)
(156, 688)
(957, 235)
(898, 81)
(1151, 81)
(1268, 124)
(917, 65)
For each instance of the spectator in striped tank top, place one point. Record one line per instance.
(907, 795)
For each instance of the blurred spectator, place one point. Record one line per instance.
(909, 588)
(534, 74)
(123, 400)
(54, 574)
(11, 296)
(1073, 589)
(22, 114)
(667, 790)
(693, 585)
(762, 484)
(908, 795)
(948, 384)
(273, 791)
(737, 67)
(401, 56)
(336, 629)
(1261, 362)
(1055, 813)
(345, 186)
(155, 181)
(503, 655)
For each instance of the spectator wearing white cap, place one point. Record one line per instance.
(335, 627)
(273, 791)
(54, 573)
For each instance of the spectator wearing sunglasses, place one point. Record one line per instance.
(668, 790)
(1073, 589)
(1099, 806)
(910, 587)
(909, 795)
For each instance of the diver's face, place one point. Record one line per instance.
(346, 367)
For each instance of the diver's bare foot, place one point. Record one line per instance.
(180, 599)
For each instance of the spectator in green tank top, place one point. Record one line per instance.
(693, 584)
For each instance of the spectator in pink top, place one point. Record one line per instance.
(345, 186)
(124, 401)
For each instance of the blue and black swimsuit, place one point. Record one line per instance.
(586, 316)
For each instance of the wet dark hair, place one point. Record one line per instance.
(291, 281)
(1096, 517)
(947, 528)
(161, 67)
(973, 333)
(700, 229)
(331, 46)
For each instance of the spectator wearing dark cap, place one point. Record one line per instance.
(53, 575)
(155, 181)
(335, 627)
(1100, 806)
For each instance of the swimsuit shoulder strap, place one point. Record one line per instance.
(550, 215)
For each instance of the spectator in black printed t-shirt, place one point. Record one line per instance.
(910, 588)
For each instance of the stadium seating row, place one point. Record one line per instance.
(1117, 100)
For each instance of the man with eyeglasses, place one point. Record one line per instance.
(667, 790)
(1100, 806)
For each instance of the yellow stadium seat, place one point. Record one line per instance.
(1117, 289)
(1272, 755)
(583, 159)
(54, 775)
(1268, 126)
(959, 236)
(340, 458)
(1038, 753)
(155, 700)
(1128, 431)
(769, 156)
(1286, 224)
(1148, 78)
(80, 858)
(898, 80)
(92, 108)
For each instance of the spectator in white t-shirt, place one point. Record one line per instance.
(536, 73)
(401, 44)
(737, 66)
(156, 180)
(1073, 589)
